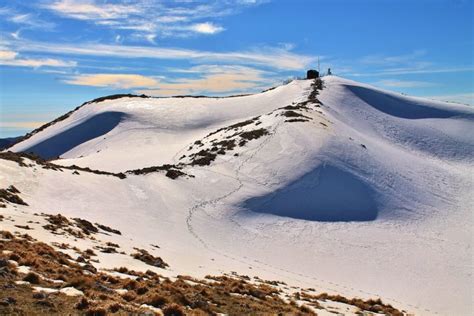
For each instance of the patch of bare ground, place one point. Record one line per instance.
(145, 256)
(172, 171)
(10, 195)
(109, 229)
(77, 227)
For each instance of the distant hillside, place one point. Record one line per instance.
(6, 142)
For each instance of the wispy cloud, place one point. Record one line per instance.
(21, 125)
(10, 58)
(89, 10)
(151, 18)
(25, 20)
(210, 79)
(114, 81)
(213, 79)
(7, 54)
(277, 58)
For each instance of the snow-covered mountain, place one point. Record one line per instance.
(341, 187)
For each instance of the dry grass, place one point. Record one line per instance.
(232, 295)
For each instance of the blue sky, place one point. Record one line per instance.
(56, 54)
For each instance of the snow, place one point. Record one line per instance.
(23, 269)
(71, 291)
(156, 310)
(44, 289)
(169, 124)
(307, 204)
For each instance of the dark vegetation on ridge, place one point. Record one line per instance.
(234, 136)
(116, 96)
(20, 159)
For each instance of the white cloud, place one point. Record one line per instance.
(211, 79)
(89, 10)
(206, 28)
(214, 80)
(269, 57)
(9, 58)
(160, 18)
(7, 54)
(114, 81)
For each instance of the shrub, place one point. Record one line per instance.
(32, 277)
(96, 311)
(141, 290)
(86, 226)
(129, 296)
(173, 310)
(115, 307)
(83, 304)
(157, 300)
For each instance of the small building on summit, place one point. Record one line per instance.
(312, 74)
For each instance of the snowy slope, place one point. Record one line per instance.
(367, 194)
(148, 131)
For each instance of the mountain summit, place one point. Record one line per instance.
(329, 183)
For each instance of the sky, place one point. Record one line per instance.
(57, 54)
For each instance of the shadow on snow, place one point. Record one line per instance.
(327, 194)
(399, 107)
(92, 128)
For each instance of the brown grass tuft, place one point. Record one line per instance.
(173, 310)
